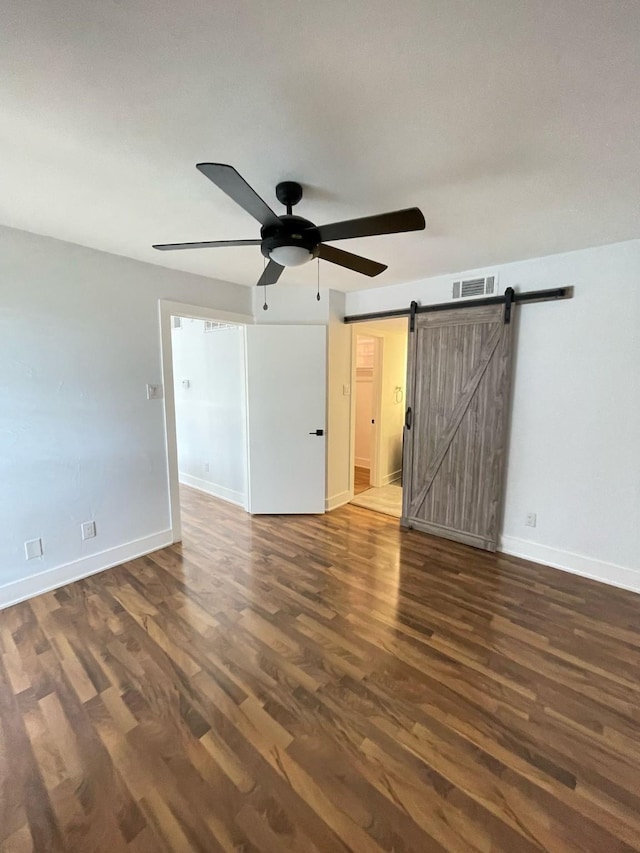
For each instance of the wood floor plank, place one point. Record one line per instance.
(320, 684)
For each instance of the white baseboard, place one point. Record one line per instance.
(577, 564)
(391, 478)
(340, 499)
(214, 489)
(20, 590)
(359, 462)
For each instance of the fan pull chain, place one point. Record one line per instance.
(318, 293)
(265, 307)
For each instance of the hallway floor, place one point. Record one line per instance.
(386, 499)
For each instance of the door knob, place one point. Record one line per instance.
(317, 432)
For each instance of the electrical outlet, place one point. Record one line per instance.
(154, 392)
(346, 390)
(33, 549)
(206, 467)
(88, 529)
(530, 519)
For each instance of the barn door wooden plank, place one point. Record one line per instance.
(456, 417)
(458, 389)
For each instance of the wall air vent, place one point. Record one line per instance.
(475, 287)
(214, 326)
(176, 322)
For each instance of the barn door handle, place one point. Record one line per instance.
(317, 432)
(408, 418)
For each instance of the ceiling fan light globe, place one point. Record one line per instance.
(290, 256)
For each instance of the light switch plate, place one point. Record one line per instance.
(33, 549)
(154, 392)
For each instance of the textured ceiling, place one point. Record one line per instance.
(513, 125)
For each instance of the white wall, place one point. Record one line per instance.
(290, 303)
(79, 441)
(574, 451)
(211, 411)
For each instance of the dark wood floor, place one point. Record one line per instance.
(361, 480)
(320, 684)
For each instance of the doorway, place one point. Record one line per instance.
(378, 407)
(284, 424)
(367, 378)
(210, 406)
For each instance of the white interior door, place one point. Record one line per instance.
(286, 404)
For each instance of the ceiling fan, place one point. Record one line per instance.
(288, 240)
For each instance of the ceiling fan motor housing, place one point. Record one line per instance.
(294, 231)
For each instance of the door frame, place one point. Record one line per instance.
(378, 356)
(166, 310)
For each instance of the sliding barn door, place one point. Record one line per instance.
(455, 440)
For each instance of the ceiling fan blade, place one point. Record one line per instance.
(350, 261)
(235, 186)
(271, 274)
(395, 222)
(207, 244)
